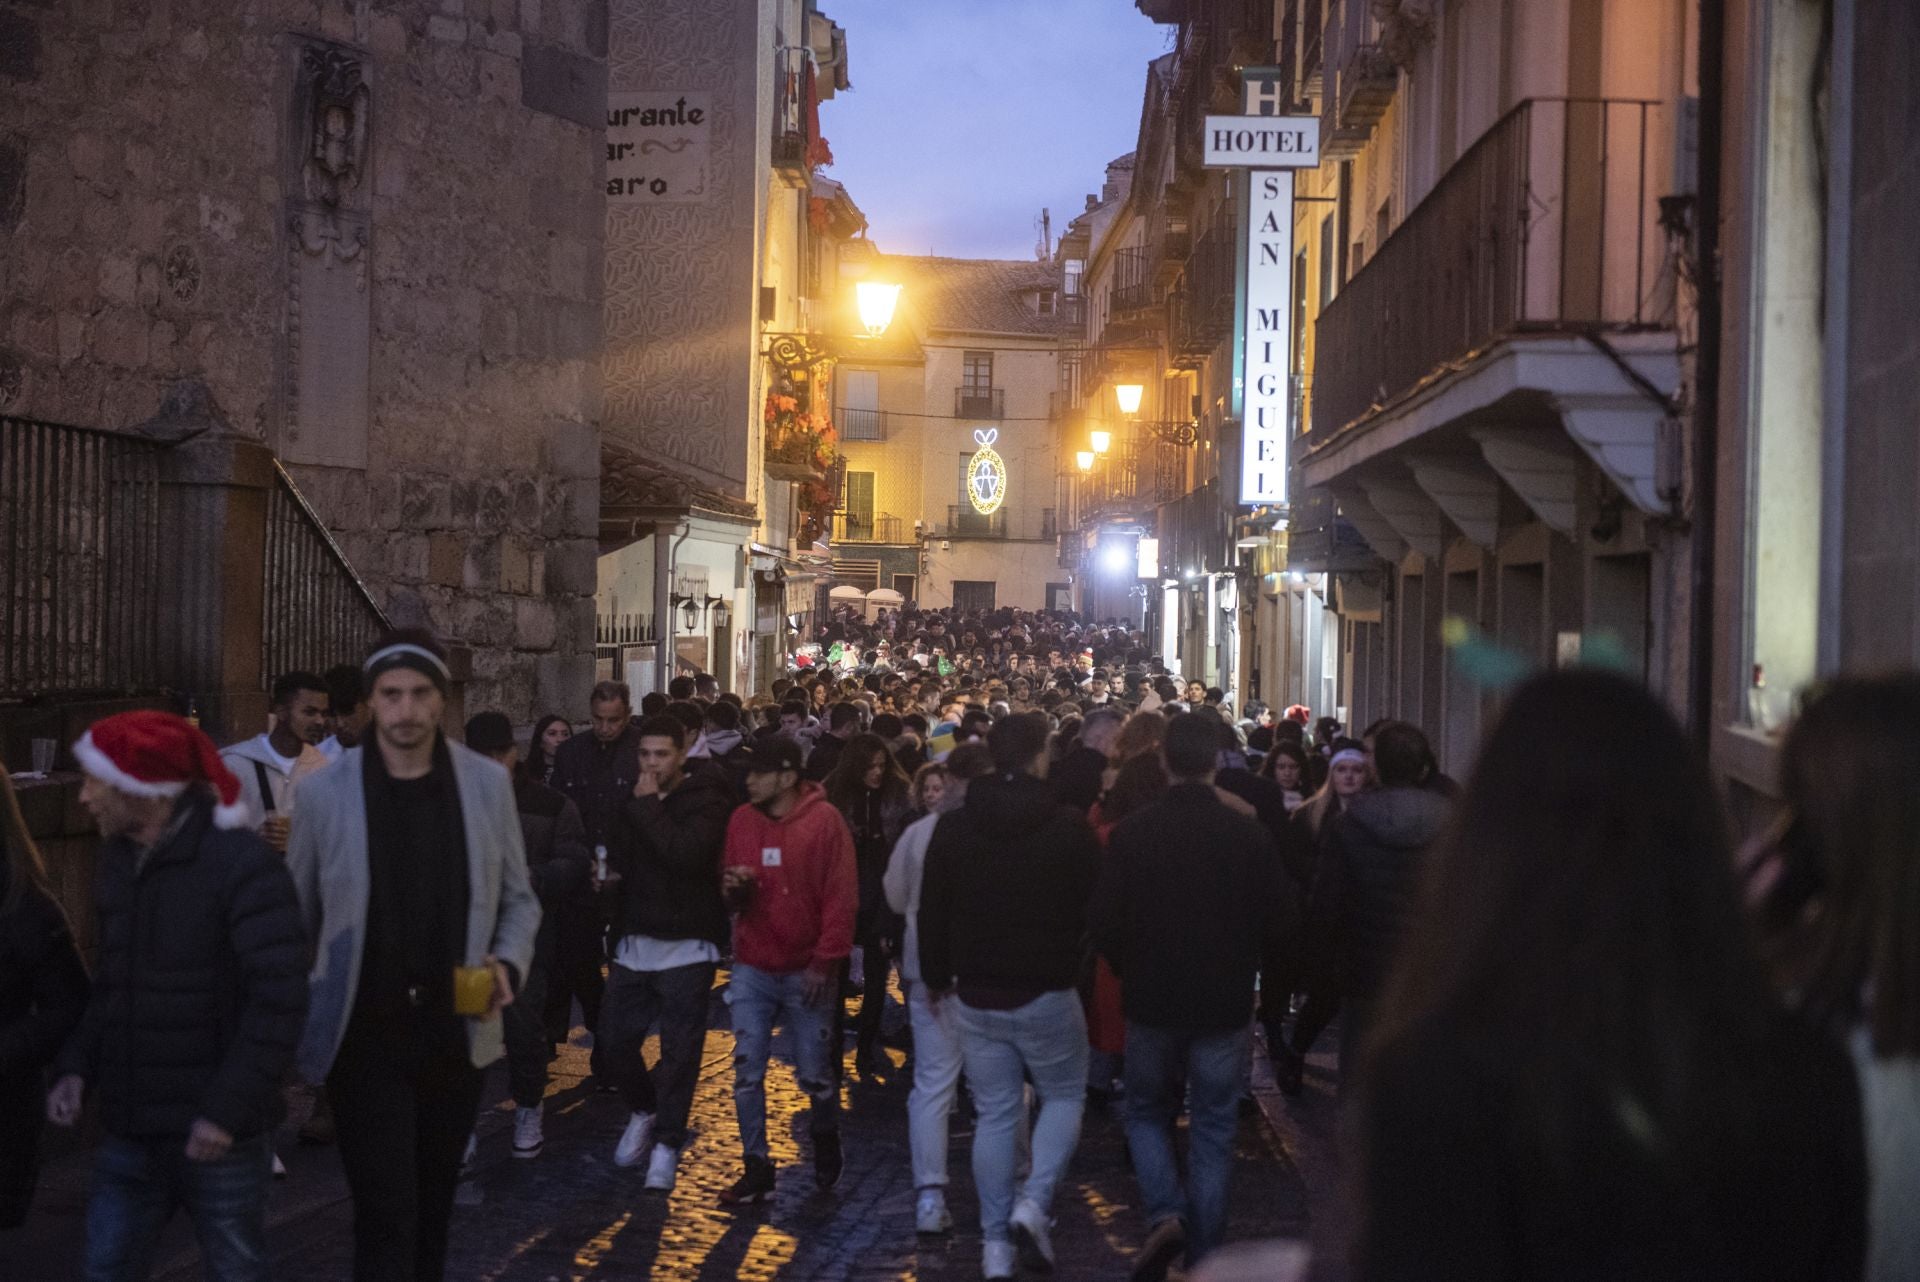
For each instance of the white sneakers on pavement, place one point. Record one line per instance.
(529, 1135)
(635, 1140)
(998, 1262)
(663, 1168)
(930, 1215)
(1032, 1236)
(472, 1151)
(279, 1168)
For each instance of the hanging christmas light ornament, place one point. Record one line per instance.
(986, 473)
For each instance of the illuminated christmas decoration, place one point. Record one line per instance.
(986, 473)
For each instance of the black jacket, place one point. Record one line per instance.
(1268, 799)
(668, 852)
(201, 991)
(43, 992)
(1192, 903)
(1369, 871)
(558, 859)
(825, 755)
(1080, 778)
(1008, 880)
(597, 777)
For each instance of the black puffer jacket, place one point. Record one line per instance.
(597, 777)
(558, 860)
(201, 991)
(43, 992)
(1370, 866)
(668, 851)
(1007, 890)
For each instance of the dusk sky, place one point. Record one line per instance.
(967, 117)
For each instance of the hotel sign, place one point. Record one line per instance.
(1271, 146)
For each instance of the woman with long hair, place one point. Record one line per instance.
(549, 733)
(1578, 1069)
(43, 993)
(1848, 776)
(873, 794)
(1286, 765)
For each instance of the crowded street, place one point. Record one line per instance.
(959, 641)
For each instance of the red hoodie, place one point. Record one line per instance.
(807, 886)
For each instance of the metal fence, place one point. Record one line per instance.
(318, 612)
(1544, 223)
(79, 581)
(865, 527)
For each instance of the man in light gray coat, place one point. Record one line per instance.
(408, 859)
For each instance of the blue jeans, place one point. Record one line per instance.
(1210, 1068)
(760, 999)
(1045, 1041)
(137, 1186)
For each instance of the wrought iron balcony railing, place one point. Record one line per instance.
(980, 402)
(1548, 222)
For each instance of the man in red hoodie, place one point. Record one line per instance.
(791, 880)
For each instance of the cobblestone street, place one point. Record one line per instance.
(572, 1214)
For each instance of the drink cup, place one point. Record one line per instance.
(472, 990)
(43, 750)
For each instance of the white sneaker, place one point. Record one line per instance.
(1033, 1235)
(997, 1261)
(473, 1151)
(279, 1168)
(930, 1213)
(529, 1136)
(663, 1169)
(635, 1140)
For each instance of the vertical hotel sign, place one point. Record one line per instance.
(1269, 146)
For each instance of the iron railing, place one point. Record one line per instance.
(79, 566)
(980, 402)
(1133, 286)
(1544, 223)
(790, 123)
(1139, 472)
(318, 612)
(865, 527)
(861, 425)
(1200, 308)
(964, 522)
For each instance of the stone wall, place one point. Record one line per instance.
(407, 308)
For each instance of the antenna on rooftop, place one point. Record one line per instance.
(1044, 251)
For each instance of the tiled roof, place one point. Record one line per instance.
(976, 295)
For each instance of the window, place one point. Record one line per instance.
(1074, 267)
(859, 417)
(1327, 282)
(1047, 301)
(976, 373)
(859, 504)
(973, 594)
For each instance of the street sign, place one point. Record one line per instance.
(1267, 325)
(1261, 142)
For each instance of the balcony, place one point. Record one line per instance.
(861, 424)
(1141, 472)
(1200, 308)
(1546, 224)
(791, 139)
(1134, 291)
(794, 457)
(979, 402)
(1367, 82)
(965, 523)
(865, 527)
(1312, 34)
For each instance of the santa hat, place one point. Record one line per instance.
(1299, 714)
(158, 754)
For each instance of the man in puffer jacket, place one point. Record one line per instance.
(197, 1006)
(791, 878)
(1368, 874)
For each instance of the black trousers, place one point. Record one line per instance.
(575, 970)
(677, 1000)
(404, 1102)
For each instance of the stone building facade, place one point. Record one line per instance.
(372, 233)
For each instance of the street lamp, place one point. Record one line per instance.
(1129, 394)
(1084, 460)
(876, 301)
(1102, 440)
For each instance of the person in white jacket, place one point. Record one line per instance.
(936, 1047)
(270, 764)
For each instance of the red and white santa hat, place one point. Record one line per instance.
(157, 754)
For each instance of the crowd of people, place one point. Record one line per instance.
(1579, 1035)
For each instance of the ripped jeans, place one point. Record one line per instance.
(759, 1000)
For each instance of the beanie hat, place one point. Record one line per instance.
(157, 754)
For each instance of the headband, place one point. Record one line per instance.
(1347, 754)
(408, 655)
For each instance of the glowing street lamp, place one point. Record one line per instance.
(1129, 394)
(1102, 440)
(1084, 460)
(876, 301)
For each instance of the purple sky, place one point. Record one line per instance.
(967, 117)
